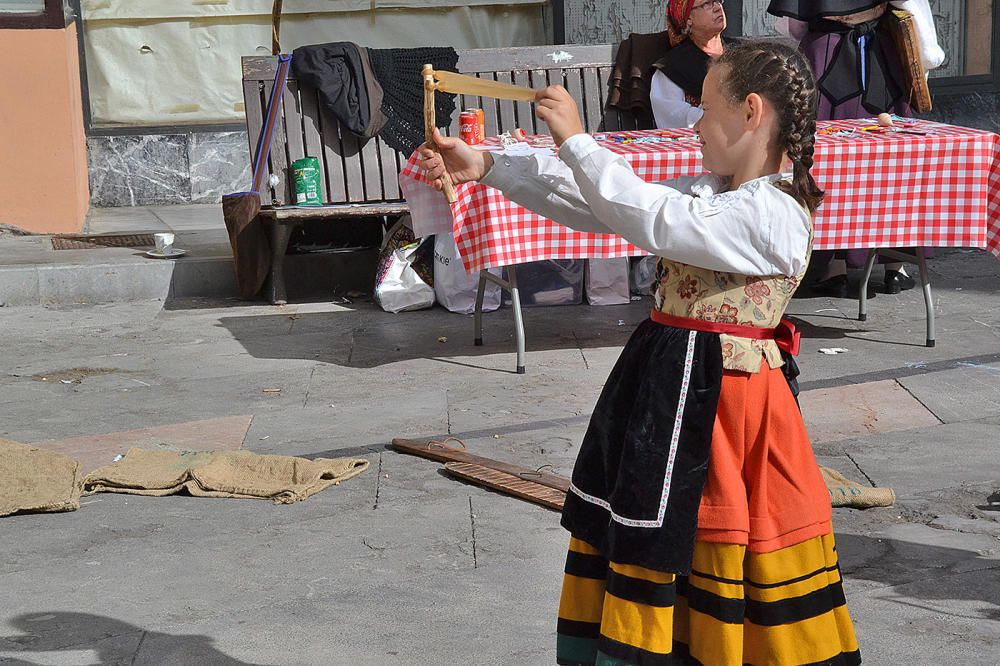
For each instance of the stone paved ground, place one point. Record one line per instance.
(403, 565)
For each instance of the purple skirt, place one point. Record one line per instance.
(819, 47)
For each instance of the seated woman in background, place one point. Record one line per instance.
(859, 73)
(695, 29)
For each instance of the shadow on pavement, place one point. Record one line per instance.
(928, 573)
(95, 639)
(366, 337)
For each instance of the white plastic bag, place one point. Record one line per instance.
(454, 288)
(606, 281)
(642, 274)
(399, 284)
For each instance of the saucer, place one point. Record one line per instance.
(173, 254)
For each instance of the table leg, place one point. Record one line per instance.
(515, 297)
(920, 258)
(925, 282)
(478, 315)
(863, 292)
(510, 284)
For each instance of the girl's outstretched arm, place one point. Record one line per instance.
(540, 183)
(754, 230)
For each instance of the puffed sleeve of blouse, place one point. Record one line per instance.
(756, 229)
(930, 50)
(670, 108)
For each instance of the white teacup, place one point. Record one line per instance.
(164, 243)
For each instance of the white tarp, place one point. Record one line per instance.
(173, 9)
(169, 71)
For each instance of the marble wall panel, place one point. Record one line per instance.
(219, 163)
(138, 170)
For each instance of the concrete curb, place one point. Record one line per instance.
(59, 284)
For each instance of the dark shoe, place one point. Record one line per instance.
(895, 282)
(835, 287)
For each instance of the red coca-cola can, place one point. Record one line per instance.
(481, 117)
(468, 127)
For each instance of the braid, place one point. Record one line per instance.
(780, 74)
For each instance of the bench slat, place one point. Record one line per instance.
(594, 101)
(311, 138)
(293, 126)
(508, 119)
(534, 57)
(524, 111)
(342, 211)
(255, 123)
(279, 155)
(573, 82)
(540, 79)
(353, 168)
(389, 168)
(374, 191)
(612, 120)
(333, 161)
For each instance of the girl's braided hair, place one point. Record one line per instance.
(780, 74)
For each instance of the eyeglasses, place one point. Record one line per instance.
(709, 4)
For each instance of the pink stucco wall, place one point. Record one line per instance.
(43, 147)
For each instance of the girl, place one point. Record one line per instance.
(700, 524)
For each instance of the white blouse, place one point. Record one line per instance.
(756, 229)
(669, 103)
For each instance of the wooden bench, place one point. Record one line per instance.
(361, 179)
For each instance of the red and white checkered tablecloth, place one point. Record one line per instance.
(924, 184)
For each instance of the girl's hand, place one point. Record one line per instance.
(556, 107)
(454, 155)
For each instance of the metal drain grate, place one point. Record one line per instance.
(137, 241)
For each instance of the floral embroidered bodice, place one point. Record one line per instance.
(699, 293)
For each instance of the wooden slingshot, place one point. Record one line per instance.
(452, 82)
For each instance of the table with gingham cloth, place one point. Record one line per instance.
(920, 183)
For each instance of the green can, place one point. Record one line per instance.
(308, 182)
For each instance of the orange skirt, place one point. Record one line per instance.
(764, 489)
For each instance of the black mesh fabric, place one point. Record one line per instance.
(398, 72)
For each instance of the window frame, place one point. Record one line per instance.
(988, 83)
(57, 14)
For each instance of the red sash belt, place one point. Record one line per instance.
(784, 334)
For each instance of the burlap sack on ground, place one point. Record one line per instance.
(33, 479)
(844, 492)
(239, 474)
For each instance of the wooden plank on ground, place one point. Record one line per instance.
(508, 484)
(433, 451)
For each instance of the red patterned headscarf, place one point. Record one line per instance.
(678, 12)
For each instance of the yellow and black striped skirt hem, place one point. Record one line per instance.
(735, 607)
